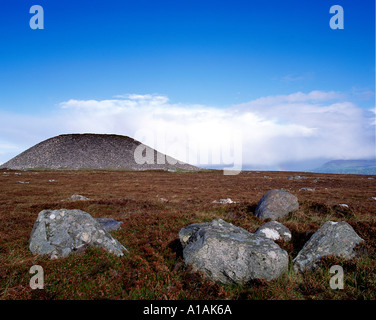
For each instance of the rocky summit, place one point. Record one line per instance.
(94, 151)
(230, 254)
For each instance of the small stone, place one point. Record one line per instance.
(224, 201)
(307, 189)
(78, 197)
(296, 178)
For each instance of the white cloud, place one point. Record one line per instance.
(272, 130)
(313, 96)
(153, 99)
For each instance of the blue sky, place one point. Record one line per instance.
(213, 54)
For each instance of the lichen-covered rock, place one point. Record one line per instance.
(230, 254)
(274, 230)
(333, 238)
(276, 204)
(58, 233)
(185, 233)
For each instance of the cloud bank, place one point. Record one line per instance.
(264, 132)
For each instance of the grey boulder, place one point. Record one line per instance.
(58, 233)
(230, 254)
(276, 204)
(274, 230)
(333, 238)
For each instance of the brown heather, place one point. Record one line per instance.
(154, 268)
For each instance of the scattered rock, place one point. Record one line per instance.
(78, 197)
(276, 204)
(58, 233)
(342, 208)
(333, 238)
(274, 230)
(307, 189)
(230, 254)
(224, 201)
(296, 178)
(109, 224)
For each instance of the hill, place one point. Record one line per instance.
(93, 151)
(348, 167)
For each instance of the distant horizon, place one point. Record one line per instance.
(303, 166)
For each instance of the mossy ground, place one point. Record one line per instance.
(154, 268)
